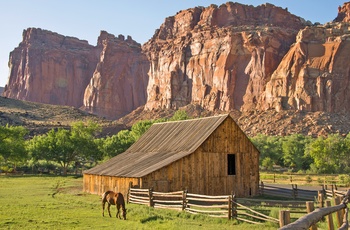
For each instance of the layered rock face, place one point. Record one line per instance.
(108, 79)
(218, 57)
(224, 57)
(119, 82)
(343, 13)
(50, 68)
(314, 75)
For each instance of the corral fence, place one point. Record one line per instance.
(225, 206)
(328, 191)
(293, 192)
(310, 220)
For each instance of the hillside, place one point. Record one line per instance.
(39, 118)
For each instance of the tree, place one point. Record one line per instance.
(293, 149)
(119, 143)
(12, 144)
(267, 163)
(268, 146)
(180, 115)
(328, 153)
(66, 146)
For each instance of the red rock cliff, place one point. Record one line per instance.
(343, 13)
(315, 73)
(218, 57)
(50, 68)
(119, 82)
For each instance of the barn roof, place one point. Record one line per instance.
(162, 144)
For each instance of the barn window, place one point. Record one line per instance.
(231, 164)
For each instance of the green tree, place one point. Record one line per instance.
(180, 115)
(66, 146)
(12, 144)
(267, 163)
(328, 153)
(293, 149)
(268, 146)
(139, 128)
(119, 143)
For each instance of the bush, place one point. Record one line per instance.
(308, 179)
(320, 181)
(344, 180)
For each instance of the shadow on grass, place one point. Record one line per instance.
(151, 218)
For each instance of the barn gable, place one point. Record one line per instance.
(162, 144)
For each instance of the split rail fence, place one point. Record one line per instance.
(293, 192)
(249, 210)
(225, 206)
(310, 220)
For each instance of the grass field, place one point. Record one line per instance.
(47, 202)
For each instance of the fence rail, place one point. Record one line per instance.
(315, 216)
(226, 206)
(293, 192)
(245, 209)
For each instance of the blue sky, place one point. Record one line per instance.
(85, 19)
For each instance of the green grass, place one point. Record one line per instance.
(47, 202)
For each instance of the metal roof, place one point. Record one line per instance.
(162, 144)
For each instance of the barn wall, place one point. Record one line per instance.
(205, 170)
(97, 184)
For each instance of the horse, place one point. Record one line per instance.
(116, 199)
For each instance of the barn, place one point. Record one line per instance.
(210, 156)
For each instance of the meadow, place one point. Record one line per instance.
(51, 202)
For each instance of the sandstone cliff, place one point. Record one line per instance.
(225, 57)
(108, 79)
(314, 75)
(218, 57)
(343, 13)
(50, 68)
(119, 82)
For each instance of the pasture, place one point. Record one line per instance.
(50, 202)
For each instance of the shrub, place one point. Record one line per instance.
(308, 179)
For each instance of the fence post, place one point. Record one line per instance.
(310, 208)
(333, 192)
(184, 203)
(262, 188)
(150, 196)
(339, 214)
(129, 191)
(234, 207)
(284, 217)
(295, 191)
(329, 217)
(320, 199)
(230, 207)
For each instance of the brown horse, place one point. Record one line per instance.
(116, 199)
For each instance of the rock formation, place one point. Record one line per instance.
(314, 75)
(343, 13)
(119, 82)
(218, 57)
(225, 57)
(109, 79)
(50, 68)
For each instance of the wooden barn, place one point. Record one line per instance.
(210, 156)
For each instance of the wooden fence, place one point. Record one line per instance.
(245, 209)
(293, 192)
(310, 220)
(225, 206)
